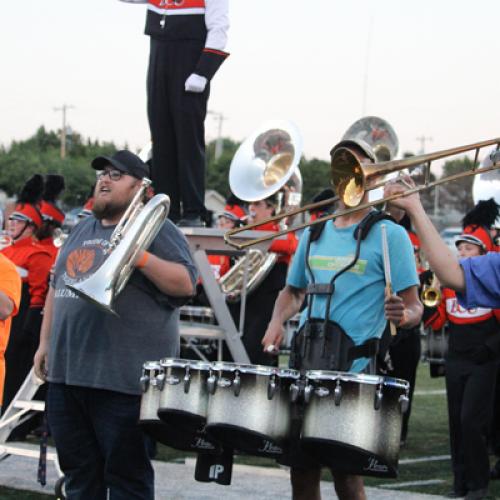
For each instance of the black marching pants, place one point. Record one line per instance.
(470, 390)
(405, 354)
(258, 311)
(176, 120)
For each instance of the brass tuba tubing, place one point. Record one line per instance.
(375, 170)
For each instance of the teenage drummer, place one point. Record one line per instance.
(352, 290)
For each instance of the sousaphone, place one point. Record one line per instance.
(265, 164)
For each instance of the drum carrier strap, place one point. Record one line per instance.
(322, 344)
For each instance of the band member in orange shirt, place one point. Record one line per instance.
(10, 297)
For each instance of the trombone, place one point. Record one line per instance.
(352, 178)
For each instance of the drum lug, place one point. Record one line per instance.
(321, 392)
(337, 394)
(211, 385)
(378, 398)
(271, 387)
(187, 380)
(144, 383)
(404, 403)
(172, 380)
(160, 381)
(307, 393)
(237, 384)
(294, 393)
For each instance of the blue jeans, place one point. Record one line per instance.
(99, 443)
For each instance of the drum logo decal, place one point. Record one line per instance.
(269, 447)
(374, 466)
(203, 444)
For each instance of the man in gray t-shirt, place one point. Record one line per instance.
(93, 359)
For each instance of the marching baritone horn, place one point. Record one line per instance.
(134, 233)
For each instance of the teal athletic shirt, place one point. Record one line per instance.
(358, 301)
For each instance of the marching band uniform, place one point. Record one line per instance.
(187, 47)
(53, 216)
(405, 350)
(259, 304)
(471, 366)
(33, 262)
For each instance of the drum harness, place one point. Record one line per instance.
(322, 344)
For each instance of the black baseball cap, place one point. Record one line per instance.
(125, 161)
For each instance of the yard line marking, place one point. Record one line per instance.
(432, 458)
(428, 482)
(431, 392)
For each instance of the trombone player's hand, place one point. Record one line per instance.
(399, 186)
(273, 337)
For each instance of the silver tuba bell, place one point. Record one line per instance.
(134, 233)
(265, 164)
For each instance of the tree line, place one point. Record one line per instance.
(41, 154)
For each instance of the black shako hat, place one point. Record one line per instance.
(125, 161)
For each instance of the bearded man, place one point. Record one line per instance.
(93, 359)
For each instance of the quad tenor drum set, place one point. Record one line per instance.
(348, 421)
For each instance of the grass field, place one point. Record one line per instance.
(427, 437)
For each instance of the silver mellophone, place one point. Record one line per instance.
(347, 421)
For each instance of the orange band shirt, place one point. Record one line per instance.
(10, 285)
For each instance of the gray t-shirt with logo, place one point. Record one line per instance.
(92, 348)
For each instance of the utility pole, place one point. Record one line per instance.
(218, 143)
(63, 108)
(423, 139)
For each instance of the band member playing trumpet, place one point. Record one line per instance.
(471, 365)
(345, 306)
(93, 359)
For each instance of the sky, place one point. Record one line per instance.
(429, 67)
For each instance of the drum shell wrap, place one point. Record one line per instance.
(251, 411)
(353, 425)
(179, 397)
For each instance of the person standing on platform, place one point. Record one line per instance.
(187, 42)
(10, 298)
